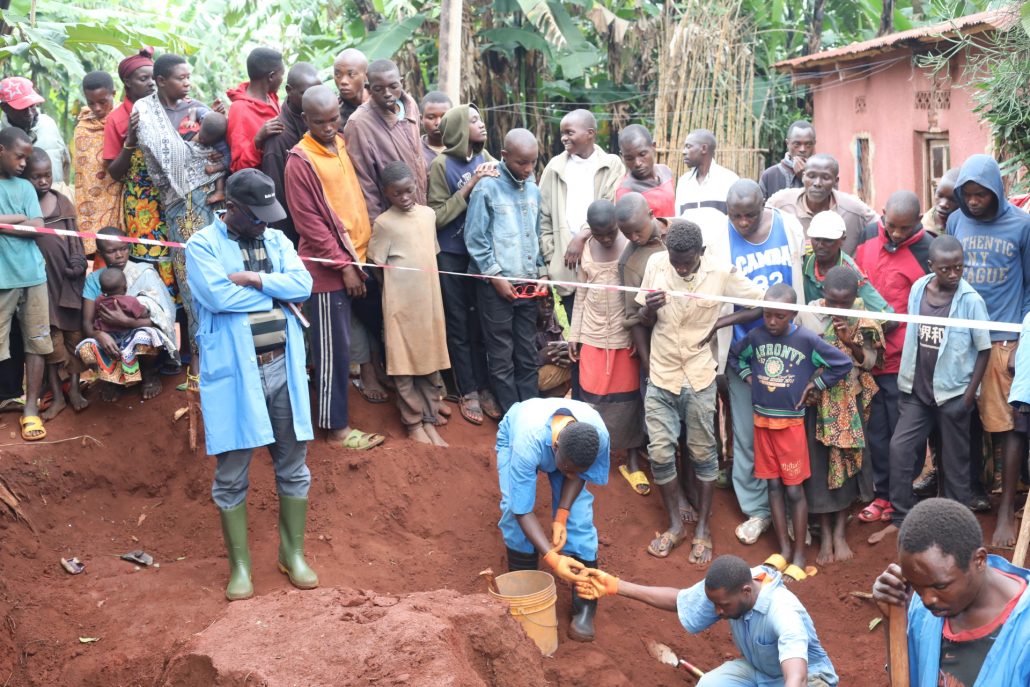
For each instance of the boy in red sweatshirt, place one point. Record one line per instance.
(254, 112)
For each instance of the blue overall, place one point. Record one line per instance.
(524, 447)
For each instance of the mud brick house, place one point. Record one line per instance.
(892, 123)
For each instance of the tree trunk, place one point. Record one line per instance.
(450, 49)
(887, 18)
(369, 16)
(815, 28)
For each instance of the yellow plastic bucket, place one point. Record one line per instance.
(530, 596)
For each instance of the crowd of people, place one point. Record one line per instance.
(352, 236)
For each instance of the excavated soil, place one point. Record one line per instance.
(349, 638)
(414, 523)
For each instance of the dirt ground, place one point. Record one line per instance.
(401, 519)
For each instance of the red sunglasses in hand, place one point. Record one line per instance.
(530, 290)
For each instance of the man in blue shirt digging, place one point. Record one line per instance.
(770, 627)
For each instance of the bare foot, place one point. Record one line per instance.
(1004, 532)
(420, 435)
(434, 437)
(77, 400)
(151, 387)
(878, 537)
(109, 392)
(441, 419)
(841, 550)
(55, 408)
(687, 512)
(825, 550)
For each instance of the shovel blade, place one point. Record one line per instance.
(662, 653)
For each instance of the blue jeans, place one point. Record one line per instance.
(752, 493)
(740, 673)
(665, 414)
(292, 477)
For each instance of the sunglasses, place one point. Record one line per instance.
(245, 211)
(531, 290)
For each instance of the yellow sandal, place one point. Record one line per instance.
(637, 480)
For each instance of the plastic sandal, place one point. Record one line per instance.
(874, 511)
(637, 480)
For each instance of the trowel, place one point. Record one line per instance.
(664, 654)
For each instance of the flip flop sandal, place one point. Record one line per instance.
(777, 562)
(9, 405)
(637, 480)
(798, 575)
(663, 544)
(887, 514)
(704, 544)
(365, 394)
(490, 408)
(874, 511)
(361, 441)
(32, 423)
(468, 406)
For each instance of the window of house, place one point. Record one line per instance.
(936, 161)
(863, 169)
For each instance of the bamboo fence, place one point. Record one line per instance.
(706, 81)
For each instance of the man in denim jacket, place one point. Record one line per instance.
(502, 232)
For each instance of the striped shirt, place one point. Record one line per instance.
(267, 328)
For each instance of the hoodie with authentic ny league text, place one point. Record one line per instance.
(996, 246)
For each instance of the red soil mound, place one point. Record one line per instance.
(401, 519)
(341, 637)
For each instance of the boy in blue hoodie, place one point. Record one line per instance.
(502, 233)
(941, 368)
(786, 367)
(996, 239)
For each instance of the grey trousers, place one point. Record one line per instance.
(292, 477)
(752, 493)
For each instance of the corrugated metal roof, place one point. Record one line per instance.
(973, 23)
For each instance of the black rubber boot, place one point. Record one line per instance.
(581, 629)
(522, 561)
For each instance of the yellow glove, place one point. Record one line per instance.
(565, 567)
(599, 584)
(559, 533)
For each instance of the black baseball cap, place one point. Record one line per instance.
(254, 189)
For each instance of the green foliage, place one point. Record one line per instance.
(540, 50)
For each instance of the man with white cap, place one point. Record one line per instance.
(245, 277)
(19, 101)
(826, 232)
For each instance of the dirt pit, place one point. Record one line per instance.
(345, 637)
(403, 520)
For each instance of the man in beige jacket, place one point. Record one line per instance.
(570, 183)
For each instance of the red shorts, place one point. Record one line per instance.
(781, 453)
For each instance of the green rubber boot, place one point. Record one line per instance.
(234, 529)
(293, 514)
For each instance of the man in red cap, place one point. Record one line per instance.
(19, 101)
